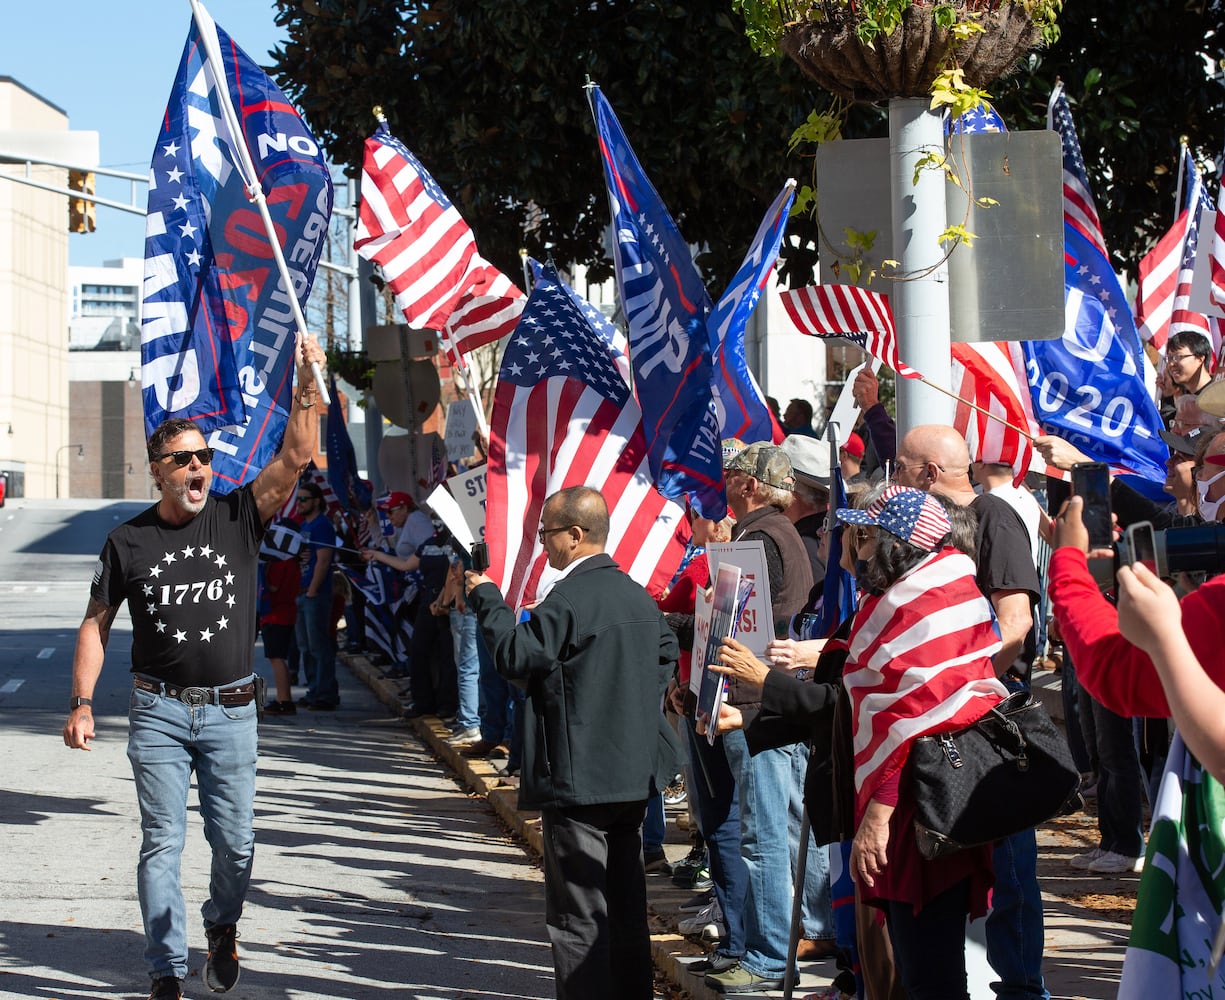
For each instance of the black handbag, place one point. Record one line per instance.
(1005, 773)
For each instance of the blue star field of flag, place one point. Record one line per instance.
(555, 338)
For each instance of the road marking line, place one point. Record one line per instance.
(11, 686)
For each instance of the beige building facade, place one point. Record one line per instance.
(34, 425)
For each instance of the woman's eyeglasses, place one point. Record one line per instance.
(182, 458)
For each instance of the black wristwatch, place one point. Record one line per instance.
(76, 702)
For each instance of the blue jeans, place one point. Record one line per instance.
(317, 647)
(166, 741)
(770, 785)
(1014, 926)
(654, 824)
(467, 669)
(495, 698)
(718, 813)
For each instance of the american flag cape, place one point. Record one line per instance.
(666, 308)
(218, 331)
(410, 228)
(864, 318)
(1088, 386)
(1163, 300)
(743, 412)
(564, 416)
(919, 663)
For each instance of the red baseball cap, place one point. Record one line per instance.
(854, 445)
(395, 499)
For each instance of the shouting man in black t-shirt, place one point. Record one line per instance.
(187, 568)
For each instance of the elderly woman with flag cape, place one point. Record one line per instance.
(920, 663)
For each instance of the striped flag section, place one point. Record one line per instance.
(848, 311)
(410, 228)
(920, 663)
(1163, 300)
(1216, 292)
(1079, 208)
(563, 416)
(991, 375)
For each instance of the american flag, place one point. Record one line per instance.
(1163, 301)
(214, 308)
(666, 308)
(991, 375)
(983, 118)
(920, 662)
(851, 312)
(563, 415)
(1217, 290)
(1079, 209)
(742, 408)
(410, 228)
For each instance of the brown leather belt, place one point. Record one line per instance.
(241, 694)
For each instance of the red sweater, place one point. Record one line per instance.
(1111, 669)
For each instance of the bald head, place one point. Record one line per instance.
(934, 457)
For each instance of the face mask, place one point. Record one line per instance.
(1208, 509)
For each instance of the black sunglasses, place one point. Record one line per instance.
(182, 458)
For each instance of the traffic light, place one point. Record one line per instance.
(82, 213)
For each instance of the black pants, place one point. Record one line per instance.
(596, 901)
(929, 947)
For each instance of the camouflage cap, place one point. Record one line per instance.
(765, 462)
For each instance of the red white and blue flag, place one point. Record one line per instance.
(920, 662)
(1163, 300)
(864, 318)
(218, 331)
(563, 416)
(1088, 385)
(666, 307)
(412, 230)
(739, 401)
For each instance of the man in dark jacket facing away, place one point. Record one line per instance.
(594, 657)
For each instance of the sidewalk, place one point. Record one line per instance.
(1087, 916)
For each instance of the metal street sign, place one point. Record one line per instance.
(1009, 284)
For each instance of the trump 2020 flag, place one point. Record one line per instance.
(666, 307)
(563, 416)
(218, 330)
(1087, 387)
(742, 408)
(352, 491)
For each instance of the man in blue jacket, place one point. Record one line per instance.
(594, 657)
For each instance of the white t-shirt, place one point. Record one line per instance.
(418, 529)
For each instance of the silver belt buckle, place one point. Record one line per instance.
(195, 696)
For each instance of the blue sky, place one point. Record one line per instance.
(109, 64)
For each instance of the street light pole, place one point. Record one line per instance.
(80, 452)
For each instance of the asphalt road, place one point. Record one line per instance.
(375, 874)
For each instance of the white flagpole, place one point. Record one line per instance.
(204, 21)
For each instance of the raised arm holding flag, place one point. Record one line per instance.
(222, 308)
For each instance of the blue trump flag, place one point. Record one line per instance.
(742, 409)
(1087, 387)
(666, 307)
(218, 330)
(352, 491)
(838, 589)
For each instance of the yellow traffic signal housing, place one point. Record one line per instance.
(82, 212)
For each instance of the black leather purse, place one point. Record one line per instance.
(1007, 772)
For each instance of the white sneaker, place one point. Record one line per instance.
(1085, 860)
(461, 736)
(1110, 862)
(707, 923)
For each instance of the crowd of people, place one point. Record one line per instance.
(588, 696)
